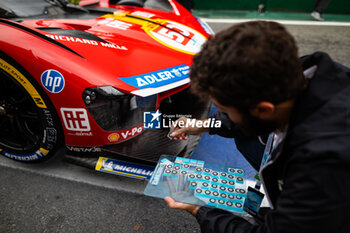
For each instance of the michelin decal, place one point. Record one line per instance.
(137, 171)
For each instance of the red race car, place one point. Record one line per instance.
(84, 76)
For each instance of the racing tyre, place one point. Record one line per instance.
(30, 130)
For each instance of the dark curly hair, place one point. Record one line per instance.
(248, 63)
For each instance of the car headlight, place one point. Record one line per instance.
(114, 110)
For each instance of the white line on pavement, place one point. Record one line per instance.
(285, 22)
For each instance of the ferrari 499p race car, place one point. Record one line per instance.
(83, 76)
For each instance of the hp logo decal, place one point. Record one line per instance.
(53, 81)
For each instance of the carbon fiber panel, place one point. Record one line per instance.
(148, 146)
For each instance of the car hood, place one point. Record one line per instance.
(139, 52)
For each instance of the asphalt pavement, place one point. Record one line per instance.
(35, 202)
(312, 37)
(59, 197)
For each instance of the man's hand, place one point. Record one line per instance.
(181, 133)
(192, 209)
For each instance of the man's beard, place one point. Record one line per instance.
(252, 126)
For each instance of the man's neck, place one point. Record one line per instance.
(283, 113)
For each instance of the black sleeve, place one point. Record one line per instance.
(250, 147)
(219, 221)
(315, 199)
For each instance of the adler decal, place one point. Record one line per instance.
(158, 78)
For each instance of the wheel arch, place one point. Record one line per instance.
(40, 98)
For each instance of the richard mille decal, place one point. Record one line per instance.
(86, 41)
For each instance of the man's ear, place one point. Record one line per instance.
(263, 110)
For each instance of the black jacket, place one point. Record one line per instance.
(308, 177)
(251, 147)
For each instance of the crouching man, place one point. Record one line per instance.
(252, 73)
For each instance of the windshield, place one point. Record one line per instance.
(28, 8)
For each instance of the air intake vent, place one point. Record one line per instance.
(73, 33)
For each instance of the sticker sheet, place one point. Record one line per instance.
(199, 183)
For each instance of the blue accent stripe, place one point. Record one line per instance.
(170, 175)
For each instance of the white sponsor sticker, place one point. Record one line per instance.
(75, 119)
